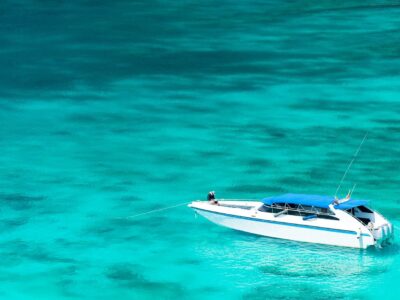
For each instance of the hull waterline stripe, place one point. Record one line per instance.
(283, 223)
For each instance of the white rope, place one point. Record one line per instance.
(348, 168)
(155, 210)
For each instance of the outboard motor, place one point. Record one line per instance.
(383, 234)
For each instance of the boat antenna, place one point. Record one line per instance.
(350, 164)
(352, 190)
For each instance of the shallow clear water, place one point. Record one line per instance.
(112, 109)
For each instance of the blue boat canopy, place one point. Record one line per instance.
(313, 200)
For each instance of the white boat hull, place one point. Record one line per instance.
(284, 230)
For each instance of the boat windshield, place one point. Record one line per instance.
(362, 213)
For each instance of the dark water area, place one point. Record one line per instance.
(111, 109)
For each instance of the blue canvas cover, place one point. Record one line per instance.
(312, 200)
(351, 203)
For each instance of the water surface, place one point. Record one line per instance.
(112, 109)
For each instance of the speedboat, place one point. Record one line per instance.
(304, 218)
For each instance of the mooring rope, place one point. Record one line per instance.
(155, 210)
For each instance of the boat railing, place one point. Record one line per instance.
(281, 213)
(242, 200)
(300, 209)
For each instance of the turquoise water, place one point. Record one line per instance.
(110, 109)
